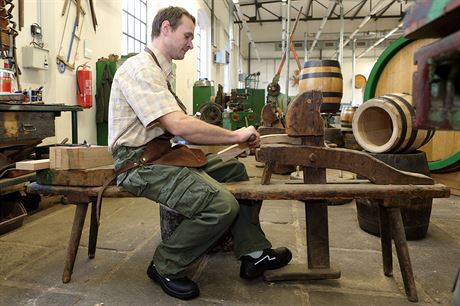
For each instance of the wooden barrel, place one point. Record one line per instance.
(346, 118)
(393, 73)
(416, 217)
(384, 125)
(324, 75)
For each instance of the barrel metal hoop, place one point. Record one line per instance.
(320, 75)
(321, 63)
(331, 94)
(403, 121)
(414, 132)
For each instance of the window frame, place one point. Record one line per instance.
(134, 26)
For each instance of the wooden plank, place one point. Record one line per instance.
(38, 164)
(67, 158)
(80, 177)
(280, 190)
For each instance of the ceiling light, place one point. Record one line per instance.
(235, 1)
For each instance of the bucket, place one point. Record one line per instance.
(346, 117)
(416, 217)
(384, 125)
(324, 75)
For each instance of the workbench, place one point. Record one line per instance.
(390, 198)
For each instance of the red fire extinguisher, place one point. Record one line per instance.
(84, 84)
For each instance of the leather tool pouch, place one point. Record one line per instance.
(159, 151)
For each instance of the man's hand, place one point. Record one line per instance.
(249, 135)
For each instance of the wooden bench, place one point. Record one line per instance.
(390, 198)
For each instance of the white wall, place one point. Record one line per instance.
(61, 88)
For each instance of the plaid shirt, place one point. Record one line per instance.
(139, 96)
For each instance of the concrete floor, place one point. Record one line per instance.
(32, 259)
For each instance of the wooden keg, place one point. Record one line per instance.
(346, 118)
(416, 217)
(384, 125)
(324, 75)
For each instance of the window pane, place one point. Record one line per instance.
(124, 45)
(124, 22)
(131, 7)
(137, 31)
(125, 4)
(130, 25)
(143, 36)
(130, 45)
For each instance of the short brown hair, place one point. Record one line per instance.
(173, 14)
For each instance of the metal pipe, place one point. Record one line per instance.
(361, 25)
(353, 66)
(288, 49)
(332, 4)
(231, 42)
(342, 30)
(378, 42)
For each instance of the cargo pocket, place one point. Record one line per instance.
(134, 183)
(187, 193)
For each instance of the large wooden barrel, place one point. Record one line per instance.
(346, 118)
(416, 217)
(324, 75)
(384, 125)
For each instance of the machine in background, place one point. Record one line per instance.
(240, 108)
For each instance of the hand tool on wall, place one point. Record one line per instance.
(21, 14)
(68, 61)
(93, 14)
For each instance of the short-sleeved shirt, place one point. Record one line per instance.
(139, 96)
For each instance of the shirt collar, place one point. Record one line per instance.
(166, 65)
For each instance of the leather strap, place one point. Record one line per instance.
(179, 102)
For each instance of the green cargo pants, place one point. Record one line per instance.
(209, 209)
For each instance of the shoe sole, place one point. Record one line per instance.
(183, 296)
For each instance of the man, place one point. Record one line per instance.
(143, 109)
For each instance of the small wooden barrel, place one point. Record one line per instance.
(416, 217)
(346, 118)
(384, 125)
(324, 75)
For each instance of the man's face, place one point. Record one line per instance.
(179, 41)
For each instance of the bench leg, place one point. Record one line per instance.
(317, 249)
(402, 250)
(385, 238)
(317, 234)
(267, 174)
(74, 241)
(93, 230)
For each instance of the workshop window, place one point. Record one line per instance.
(134, 19)
(202, 44)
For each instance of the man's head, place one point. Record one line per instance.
(173, 29)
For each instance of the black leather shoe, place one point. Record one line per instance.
(182, 288)
(269, 260)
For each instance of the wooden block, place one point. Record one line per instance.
(68, 158)
(33, 164)
(84, 178)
